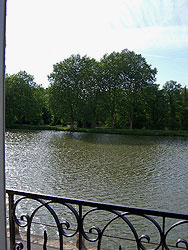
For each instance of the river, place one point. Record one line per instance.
(140, 171)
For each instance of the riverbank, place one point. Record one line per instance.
(143, 132)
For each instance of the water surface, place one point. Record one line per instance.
(147, 172)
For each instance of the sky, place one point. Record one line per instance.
(41, 33)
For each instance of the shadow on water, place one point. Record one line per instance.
(108, 139)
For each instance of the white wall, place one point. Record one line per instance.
(2, 128)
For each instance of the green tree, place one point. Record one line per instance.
(130, 73)
(184, 109)
(71, 86)
(22, 102)
(110, 76)
(46, 114)
(155, 107)
(135, 75)
(172, 92)
(40, 105)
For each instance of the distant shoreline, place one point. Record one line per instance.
(140, 132)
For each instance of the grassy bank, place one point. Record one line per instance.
(134, 132)
(106, 130)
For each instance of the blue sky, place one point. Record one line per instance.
(41, 33)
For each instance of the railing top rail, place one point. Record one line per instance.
(133, 210)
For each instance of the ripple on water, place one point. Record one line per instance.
(148, 172)
(138, 171)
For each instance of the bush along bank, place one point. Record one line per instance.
(142, 132)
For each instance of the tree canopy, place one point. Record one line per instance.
(24, 99)
(119, 91)
(81, 88)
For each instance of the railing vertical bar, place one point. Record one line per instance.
(11, 221)
(80, 227)
(61, 239)
(163, 239)
(29, 236)
(45, 240)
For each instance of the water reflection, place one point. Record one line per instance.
(149, 172)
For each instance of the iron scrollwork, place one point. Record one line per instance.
(26, 220)
(98, 231)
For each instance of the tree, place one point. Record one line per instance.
(172, 92)
(155, 107)
(46, 114)
(184, 109)
(40, 105)
(71, 86)
(22, 99)
(131, 73)
(135, 76)
(111, 84)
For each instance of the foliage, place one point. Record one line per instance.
(72, 88)
(24, 100)
(119, 91)
(84, 91)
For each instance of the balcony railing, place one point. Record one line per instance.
(96, 223)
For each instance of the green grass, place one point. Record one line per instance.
(134, 131)
(144, 132)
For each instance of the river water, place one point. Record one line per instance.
(147, 172)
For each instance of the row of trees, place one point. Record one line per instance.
(119, 91)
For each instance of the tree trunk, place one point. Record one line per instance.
(112, 120)
(130, 116)
(72, 125)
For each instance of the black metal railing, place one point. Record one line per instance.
(106, 226)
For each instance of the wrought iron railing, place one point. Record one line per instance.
(127, 227)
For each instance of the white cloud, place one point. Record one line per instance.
(43, 32)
